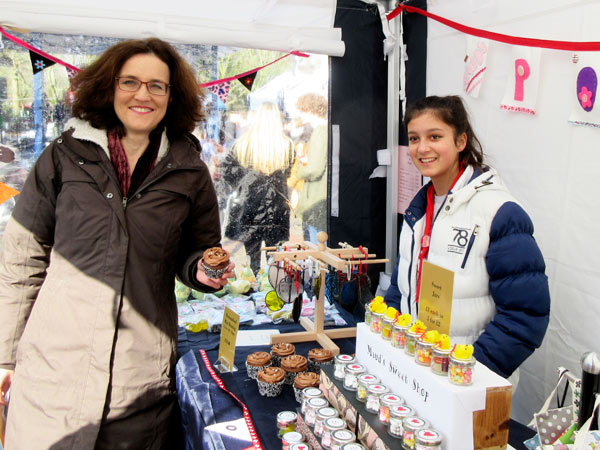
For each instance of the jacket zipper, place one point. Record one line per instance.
(124, 202)
(470, 245)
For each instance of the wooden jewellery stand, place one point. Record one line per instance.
(338, 258)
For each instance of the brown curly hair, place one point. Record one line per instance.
(313, 103)
(94, 88)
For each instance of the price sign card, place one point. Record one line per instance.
(229, 330)
(435, 303)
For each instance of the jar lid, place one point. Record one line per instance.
(343, 436)
(388, 319)
(287, 416)
(413, 334)
(355, 369)
(401, 411)
(326, 412)
(377, 313)
(367, 378)
(299, 446)
(421, 341)
(310, 392)
(353, 446)
(334, 423)
(316, 402)
(292, 437)
(471, 360)
(377, 389)
(413, 423)
(391, 400)
(341, 358)
(401, 327)
(443, 351)
(428, 436)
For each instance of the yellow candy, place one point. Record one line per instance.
(391, 312)
(404, 320)
(444, 342)
(463, 351)
(418, 327)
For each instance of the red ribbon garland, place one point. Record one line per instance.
(514, 40)
(256, 443)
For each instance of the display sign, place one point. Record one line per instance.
(229, 329)
(435, 306)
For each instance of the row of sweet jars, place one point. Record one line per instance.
(428, 348)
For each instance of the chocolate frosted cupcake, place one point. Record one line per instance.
(304, 380)
(215, 261)
(318, 357)
(293, 365)
(270, 381)
(281, 350)
(257, 361)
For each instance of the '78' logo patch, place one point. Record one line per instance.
(460, 239)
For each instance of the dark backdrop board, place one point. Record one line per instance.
(358, 101)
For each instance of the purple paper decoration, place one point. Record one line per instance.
(587, 84)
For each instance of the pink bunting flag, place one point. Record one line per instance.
(584, 90)
(475, 65)
(221, 90)
(523, 81)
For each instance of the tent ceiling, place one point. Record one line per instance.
(283, 25)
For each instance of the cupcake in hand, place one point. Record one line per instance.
(215, 261)
(318, 357)
(304, 380)
(293, 365)
(257, 361)
(270, 381)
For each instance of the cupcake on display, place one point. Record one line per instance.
(293, 365)
(257, 361)
(215, 261)
(318, 357)
(270, 381)
(304, 380)
(281, 350)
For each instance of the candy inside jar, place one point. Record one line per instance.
(364, 381)
(374, 391)
(397, 414)
(386, 402)
(411, 339)
(352, 371)
(386, 329)
(410, 427)
(339, 365)
(376, 322)
(423, 351)
(439, 360)
(399, 335)
(460, 371)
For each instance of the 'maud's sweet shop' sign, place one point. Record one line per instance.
(448, 408)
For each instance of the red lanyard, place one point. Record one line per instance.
(428, 227)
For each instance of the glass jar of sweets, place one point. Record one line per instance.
(460, 371)
(397, 414)
(411, 339)
(353, 446)
(340, 438)
(300, 446)
(329, 426)
(376, 322)
(312, 405)
(339, 364)
(428, 439)
(290, 438)
(321, 416)
(423, 351)
(399, 335)
(309, 392)
(364, 381)
(374, 391)
(286, 421)
(386, 328)
(352, 371)
(410, 426)
(387, 401)
(439, 360)
(368, 315)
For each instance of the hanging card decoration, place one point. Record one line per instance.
(248, 80)
(221, 90)
(522, 85)
(39, 62)
(475, 65)
(584, 89)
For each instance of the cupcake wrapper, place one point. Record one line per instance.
(289, 376)
(298, 394)
(315, 366)
(270, 389)
(213, 273)
(253, 370)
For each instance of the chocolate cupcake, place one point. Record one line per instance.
(281, 350)
(318, 357)
(304, 380)
(215, 261)
(293, 365)
(257, 361)
(270, 381)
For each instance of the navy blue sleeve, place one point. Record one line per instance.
(519, 287)
(393, 295)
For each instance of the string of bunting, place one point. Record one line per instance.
(515, 40)
(41, 60)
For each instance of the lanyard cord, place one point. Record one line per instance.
(426, 238)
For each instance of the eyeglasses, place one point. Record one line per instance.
(133, 84)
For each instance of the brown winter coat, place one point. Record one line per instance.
(87, 306)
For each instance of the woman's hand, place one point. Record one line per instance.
(216, 283)
(5, 382)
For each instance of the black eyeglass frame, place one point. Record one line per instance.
(167, 86)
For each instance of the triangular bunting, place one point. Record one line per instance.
(70, 72)
(6, 192)
(248, 80)
(39, 62)
(221, 90)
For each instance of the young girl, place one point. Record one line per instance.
(466, 221)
